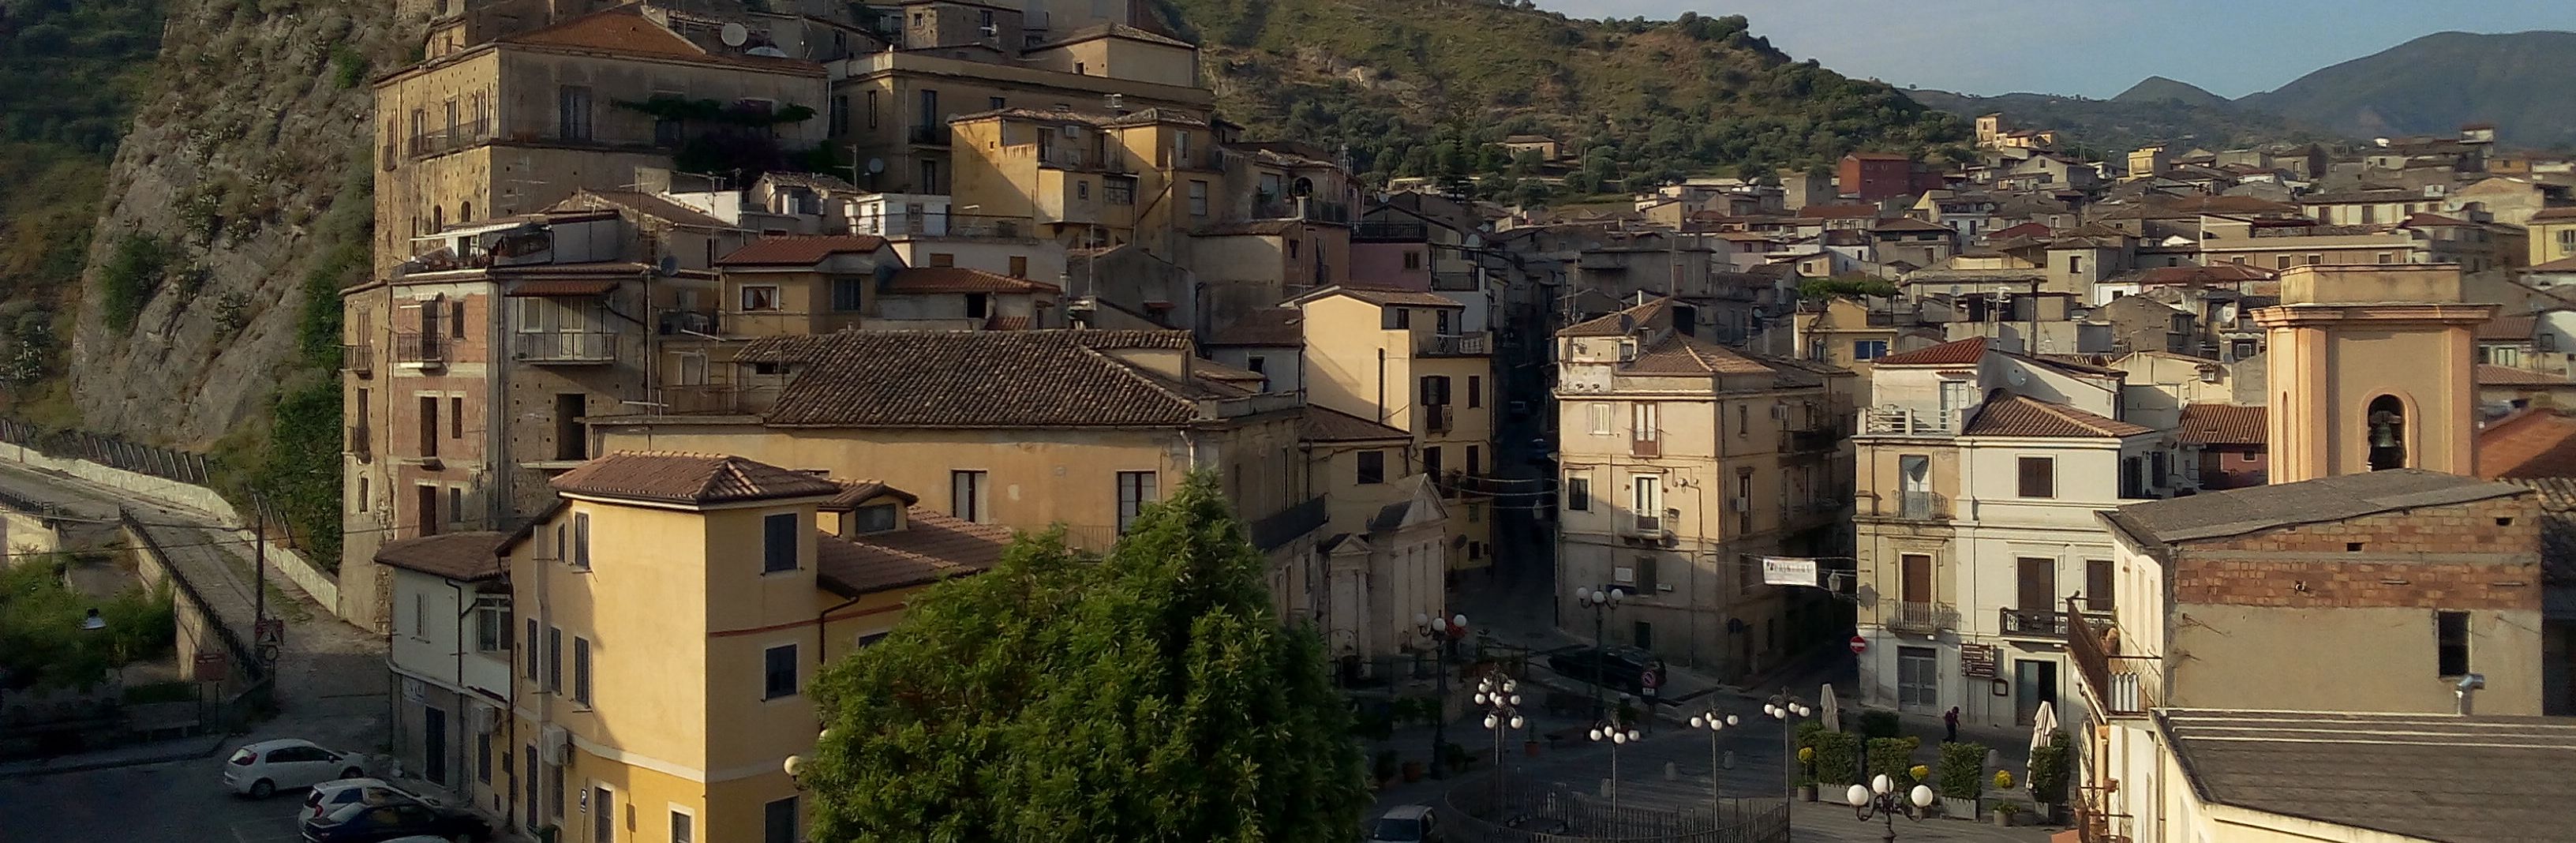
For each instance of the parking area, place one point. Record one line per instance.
(174, 802)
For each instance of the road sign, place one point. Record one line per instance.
(270, 632)
(210, 667)
(1650, 680)
(1859, 645)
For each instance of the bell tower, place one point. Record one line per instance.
(2371, 367)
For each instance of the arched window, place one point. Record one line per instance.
(464, 213)
(437, 218)
(2387, 433)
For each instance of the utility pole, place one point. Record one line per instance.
(259, 563)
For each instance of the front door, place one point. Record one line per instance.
(2038, 589)
(1917, 584)
(1918, 678)
(603, 815)
(433, 734)
(2034, 682)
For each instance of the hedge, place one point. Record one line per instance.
(1893, 757)
(2048, 771)
(1962, 771)
(1837, 757)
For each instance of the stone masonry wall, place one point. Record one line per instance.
(2482, 554)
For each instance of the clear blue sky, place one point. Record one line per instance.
(2094, 48)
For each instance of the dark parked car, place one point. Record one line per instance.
(1622, 668)
(364, 823)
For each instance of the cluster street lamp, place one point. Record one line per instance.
(1441, 633)
(1714, 723)
(1881, 799)
(1618, 734)
(1599, 600)
(1788, 710)
(1501, 700)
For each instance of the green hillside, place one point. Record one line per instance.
(1417, 87)
(2101, 127)
(2156, 89)
(70, 73)
(2524, 82)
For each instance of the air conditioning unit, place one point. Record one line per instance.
(483, 718)
(557, 745)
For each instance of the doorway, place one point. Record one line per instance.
(603, 815)
(1918, 678)
(433, 735)
(2034, 682)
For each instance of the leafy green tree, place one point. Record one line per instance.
(1150, 696)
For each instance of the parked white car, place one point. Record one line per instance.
(335, 794)
(262, 768)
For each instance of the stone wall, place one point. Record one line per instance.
(2479, 555)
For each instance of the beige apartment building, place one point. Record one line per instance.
(1685, 463)
(1403, 359)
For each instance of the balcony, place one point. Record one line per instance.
(931, 135)
(1438, 418)
(672, 322)
(1650, 525)
(1286, 525)
(1825, 438)
(1455, 345)
(424, 350)
(1918, 617)
(1900, 421)
(1391, 232)
(358, 360)
(1645, 447)
(1456, 281)
(945, 225)
(361, 442)
(1916, 506)
(440, 143)
(564, 347)
(2031, 623)
(2120, 686)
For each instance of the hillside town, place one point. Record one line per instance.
(709, 360)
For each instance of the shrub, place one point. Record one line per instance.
(2048, 769)
(1892, 757)
(1879, 724)
(2003, 780)
(348, 66)
(134, 269)
(1963, 767)
(1837, 757)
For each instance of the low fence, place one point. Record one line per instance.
(109, 451)
(1506, 809)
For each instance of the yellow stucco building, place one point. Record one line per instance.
(1403, 358)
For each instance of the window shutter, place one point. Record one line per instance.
(1645, 575)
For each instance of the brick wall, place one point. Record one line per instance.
(2479, 555)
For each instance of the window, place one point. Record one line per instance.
(2387, 257)
(840, 116)
(778, 542)
(2281, 262)
(1198, 198)
(2074, 263)
(555, 789)
(1118, 190)
(1435, 390)
(1641, 421)
(572, 113)
(456, 418)
(1474, 461)
(966, 495)
(1395, 317)
(483, 757)
(455, 504)
(684, 828)
(581, 670)
(1082, 191)
(872, 109)
(1743, 420)
(2097, 584)
(760, 297)
(874, 518)
(1578, 494)
(1431, 461)
(1645, 575)
(428, 427)
(848, 294)
(1019, 266)
(2316, 259)
(425, 500)
(943, 259)
(2038, 477)
(1413, 260)
(929, 177)
(491, 623)
(1372, 467)
(778, 821)
(554, 658)
(1601, 420)
(2451, 635)
(978, 304)
(995, 103)
(1475, 390)
(1868, 349)
(580, 540)
(779, 671)
(532, 650)
(1135, 490)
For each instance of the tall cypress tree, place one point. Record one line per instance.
(1152, 695)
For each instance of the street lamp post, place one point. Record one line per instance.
(1502, 701)
(1599, 600)
(1440, 632)
(1714, 723)
(1619, 734)
(1882, 800)
(1787, 709)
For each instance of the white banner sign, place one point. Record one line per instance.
(1780, 570)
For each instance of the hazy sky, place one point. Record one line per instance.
(2094, 48)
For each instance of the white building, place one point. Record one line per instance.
(450, 654)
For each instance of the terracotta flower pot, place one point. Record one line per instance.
(1412, 771)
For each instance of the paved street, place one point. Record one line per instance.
(174, 802)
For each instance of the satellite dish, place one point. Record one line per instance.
(734, 34)
(875, 166)
(770, 52)
(669, 266)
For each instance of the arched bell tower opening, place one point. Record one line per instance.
(2387, 421)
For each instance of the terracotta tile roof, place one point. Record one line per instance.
(1837, 212)
(2028, 229)
(2234, 512)
(855, 492)
(2224, 424)
(2507, 328)
(1324, 424)
(645, 204)
(1269, 326)
(2532, 442)
(562, 287)
(625, 31)
(463, 557)
(1386, 297)
(931, 547)
(2554, 215)
(977, 379)
(931, 280)
(1611, 325)
(999, 322)
(1957, 353)
(2022, 415)
(1222, 373)
(1910, 224)
(2223, 273)
(688, 479)
(2565, 264)
(2491, 374)
(800, 250)
(1115, 30)
(1676, 354)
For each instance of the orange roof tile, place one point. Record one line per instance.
(2224, 424)
(2532, 442)
(688, 479)
(800, 250)
(2491, 374)
(2022, 415)
(931, 547)
(1956, 353)
(626, 31)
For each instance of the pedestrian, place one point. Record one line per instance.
(1950, 722)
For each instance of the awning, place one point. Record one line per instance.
(564, 287)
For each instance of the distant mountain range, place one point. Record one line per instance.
(2524, 83)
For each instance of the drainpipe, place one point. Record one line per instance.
(2466, 691)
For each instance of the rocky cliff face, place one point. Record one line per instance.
(240, 187)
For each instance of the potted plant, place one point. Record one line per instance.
(1806, 774)
(2007, 813)
(1412, 771)
(1961, 777)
